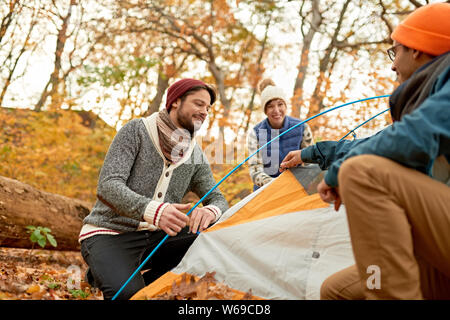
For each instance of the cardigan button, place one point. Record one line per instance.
(159, 194)
(167, 174)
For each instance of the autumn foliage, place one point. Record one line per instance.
(59, 152)
(43, 275)
(190, 287)
(62, 152)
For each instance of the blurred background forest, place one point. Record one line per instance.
(74, 71)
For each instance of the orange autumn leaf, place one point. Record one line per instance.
(33, 288)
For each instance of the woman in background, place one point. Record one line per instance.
(264, 166)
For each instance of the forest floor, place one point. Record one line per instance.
(37, 274)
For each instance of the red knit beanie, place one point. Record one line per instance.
(177, 89)
(427, 29)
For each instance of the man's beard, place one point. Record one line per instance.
(186, 121)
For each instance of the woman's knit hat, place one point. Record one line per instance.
(269, 91)
(180, 87)
(426, 29)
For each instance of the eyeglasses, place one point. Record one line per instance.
(391, 52)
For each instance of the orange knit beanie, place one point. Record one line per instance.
(427, 29)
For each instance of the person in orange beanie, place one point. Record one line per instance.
(395, 185)
(427, 31)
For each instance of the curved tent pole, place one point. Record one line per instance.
(360, 125)
(231, 172)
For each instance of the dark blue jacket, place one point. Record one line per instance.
(275, 152)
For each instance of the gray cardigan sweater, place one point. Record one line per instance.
(136, 182)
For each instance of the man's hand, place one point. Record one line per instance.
(201, 218)
(172, 219)
(292, 159)
(329, 194)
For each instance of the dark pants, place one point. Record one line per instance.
(112, 259)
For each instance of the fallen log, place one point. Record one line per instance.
(22, 205)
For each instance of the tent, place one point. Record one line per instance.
(281, 241)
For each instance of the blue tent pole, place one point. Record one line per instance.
(229, 173)
(353, 130)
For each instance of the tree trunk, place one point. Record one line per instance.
(12, 69)
(298, 99)
(259, 71)
(22, 205)
(7, 19)
(226, 102)
(319, 94)
(163, 84)
(51, 87)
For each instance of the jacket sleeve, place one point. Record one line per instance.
(326, 152)
(255, 163)
(416, 140)
(112, 189)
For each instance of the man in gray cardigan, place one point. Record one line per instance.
(151, 164)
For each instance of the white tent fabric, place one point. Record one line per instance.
(286, 256)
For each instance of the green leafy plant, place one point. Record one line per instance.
(41, 235)
(79, 294)
(53, 285)
(47, 280)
